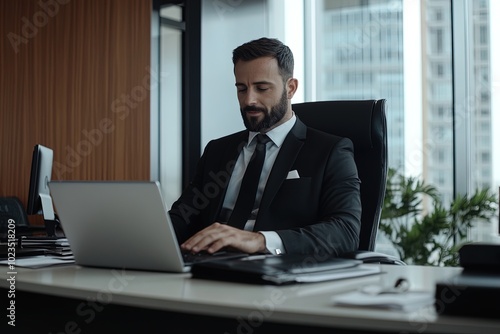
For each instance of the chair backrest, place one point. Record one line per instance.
(12, 208)
(364, 122)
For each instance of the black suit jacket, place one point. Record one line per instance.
(319, 213)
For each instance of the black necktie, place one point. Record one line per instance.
(246, 197)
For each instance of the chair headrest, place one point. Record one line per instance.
(345, 118)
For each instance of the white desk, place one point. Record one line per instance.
(93, 291)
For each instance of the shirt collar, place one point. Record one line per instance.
(278, 134)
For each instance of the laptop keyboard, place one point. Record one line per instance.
(190, 258)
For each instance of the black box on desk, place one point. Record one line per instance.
(476, 291)
(469, 294)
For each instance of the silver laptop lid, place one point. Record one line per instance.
(117, 224)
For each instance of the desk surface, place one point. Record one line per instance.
(306, 304)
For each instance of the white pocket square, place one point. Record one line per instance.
(293, 174)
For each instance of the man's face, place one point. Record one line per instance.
(263, 97)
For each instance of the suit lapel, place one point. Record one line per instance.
(284, 162)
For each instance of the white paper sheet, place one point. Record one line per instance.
(406, 301)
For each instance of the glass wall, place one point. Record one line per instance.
(403, 51)
(360, 56)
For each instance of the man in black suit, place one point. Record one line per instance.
(308, 199)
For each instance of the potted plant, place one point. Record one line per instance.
(430, 234)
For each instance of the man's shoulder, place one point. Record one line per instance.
(325, 141)
(228, 141)
(315, 134)
(236, 136)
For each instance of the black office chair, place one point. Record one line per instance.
(12, 210)
(364, 122)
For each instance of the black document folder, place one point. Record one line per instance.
(282, 269)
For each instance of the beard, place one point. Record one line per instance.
(272, 117)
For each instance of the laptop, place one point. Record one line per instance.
(116, 224)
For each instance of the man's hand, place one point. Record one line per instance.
(218, 236)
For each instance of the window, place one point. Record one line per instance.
(483, 35)
(436, 40)
(431, 105)
(439, 71)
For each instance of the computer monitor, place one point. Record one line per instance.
(39, 199)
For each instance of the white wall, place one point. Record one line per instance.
(226, 24)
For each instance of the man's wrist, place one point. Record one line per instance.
(272, 243)
(262, 243)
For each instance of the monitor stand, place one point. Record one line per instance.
(51, 226)
(47, 207)
(50, 219)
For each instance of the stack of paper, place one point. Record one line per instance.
(405, 301)
(40, 261)
(39, 252)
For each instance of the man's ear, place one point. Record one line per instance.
(291, 87)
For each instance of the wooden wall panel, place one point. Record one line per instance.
(74, 76)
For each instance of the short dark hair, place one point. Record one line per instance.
(267, 47)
